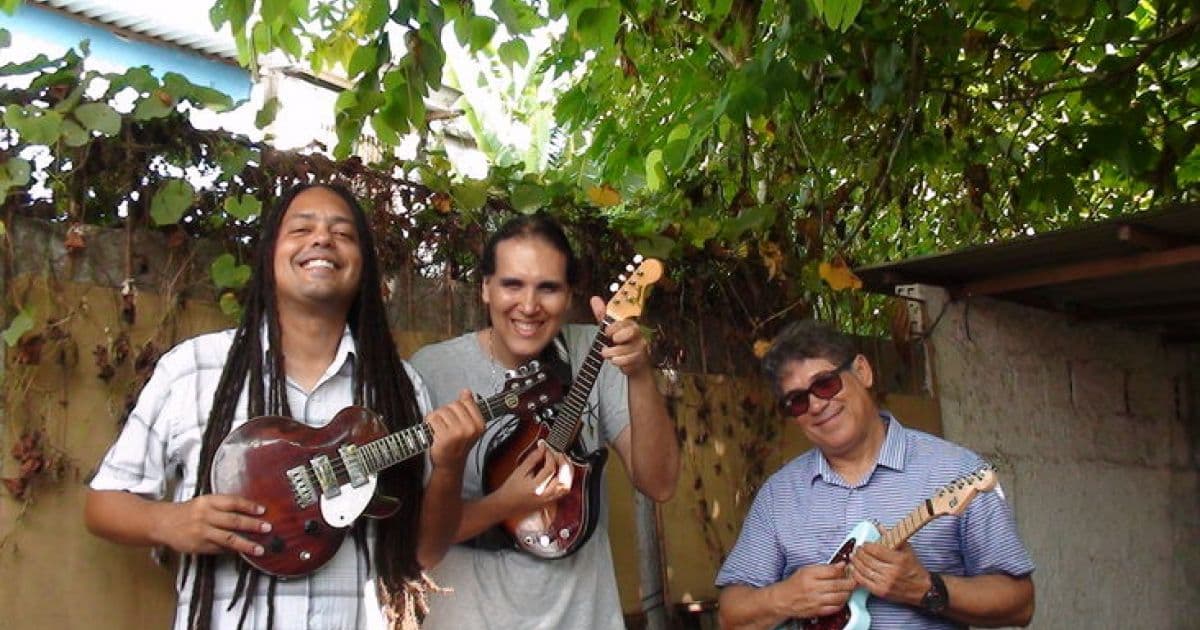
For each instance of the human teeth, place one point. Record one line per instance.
(525, 327)
(318, 263)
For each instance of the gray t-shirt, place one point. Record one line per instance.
(511, 589)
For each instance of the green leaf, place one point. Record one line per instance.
(377, 15)
(514, 52)
(266, 115)
(157, 105)
(230, 305)
(10, 6)
(228, 274)
(528, 197)
(597, 27)
(171, 200)
(36, 126)
(655, 246)
(475, 32)
(99, 117)
(14, 173)
(5, 38)
(243, 207)
(273, 10)
(656, 175)
(21, 324)
(363, 60)
(517, 16)
(470, 195)
(74, 135)
(1188, 171)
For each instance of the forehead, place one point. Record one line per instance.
(530, 256)
(798, 374)
(319, 203)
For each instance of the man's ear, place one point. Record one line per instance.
(483, 290)
(864, 372)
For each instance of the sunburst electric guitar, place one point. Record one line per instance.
(316, 482)
(950, 499)
(561, 528)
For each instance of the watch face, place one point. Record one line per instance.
(935, 598)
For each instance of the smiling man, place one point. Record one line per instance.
(313, 339)
(528, 270)
(962, 570)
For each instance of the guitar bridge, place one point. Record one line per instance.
(302, 486)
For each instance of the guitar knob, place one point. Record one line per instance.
(311, 526)
(305, 556)
(544, 540)
(564, 533)
(275, 544)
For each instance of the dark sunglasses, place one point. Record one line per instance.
(825, 387)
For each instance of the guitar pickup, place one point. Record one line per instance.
(354, 465)
(326, 477)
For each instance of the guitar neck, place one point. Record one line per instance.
(570, 417)
(392, 449)
(909, 525)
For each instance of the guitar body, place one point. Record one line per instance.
(253, 462)
(854, 615)
(561, 528)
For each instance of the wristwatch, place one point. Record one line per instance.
(936, 599)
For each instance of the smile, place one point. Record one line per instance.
(318, 263)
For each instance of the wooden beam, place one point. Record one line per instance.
(1147, 239)
(1074, 272)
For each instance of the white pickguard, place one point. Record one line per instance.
(342, 510)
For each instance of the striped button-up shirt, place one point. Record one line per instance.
(157, 454)
(805, 510)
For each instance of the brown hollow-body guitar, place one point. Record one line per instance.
(315, 482)
(561, 528)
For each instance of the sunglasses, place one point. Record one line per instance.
(825, 387)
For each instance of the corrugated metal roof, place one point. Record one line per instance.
(1140, 270)
(184, 23)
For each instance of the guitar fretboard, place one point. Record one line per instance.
(902, 531)
(566, 426)
(395, 448)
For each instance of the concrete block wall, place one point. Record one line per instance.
(1095, 431)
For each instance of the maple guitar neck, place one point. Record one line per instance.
(570, 415)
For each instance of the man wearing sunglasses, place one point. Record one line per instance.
(970, 569)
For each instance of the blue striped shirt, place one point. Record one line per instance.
(804, 511)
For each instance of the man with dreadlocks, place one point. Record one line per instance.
(313, 340)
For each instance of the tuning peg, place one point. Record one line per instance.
(534, 365)
(613, 287)
(622, 278)
(508, 374)
(637, 259)
(628, 267)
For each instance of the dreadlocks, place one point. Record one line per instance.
(380, 383)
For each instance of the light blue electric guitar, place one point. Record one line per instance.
(950, 499)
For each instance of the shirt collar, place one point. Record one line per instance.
(891, 454)
(342, 359)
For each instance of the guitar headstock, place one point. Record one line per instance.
(528, 387)
(630, 297)
(954, 496)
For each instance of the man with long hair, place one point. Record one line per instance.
(314, 338)
(528, 270)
